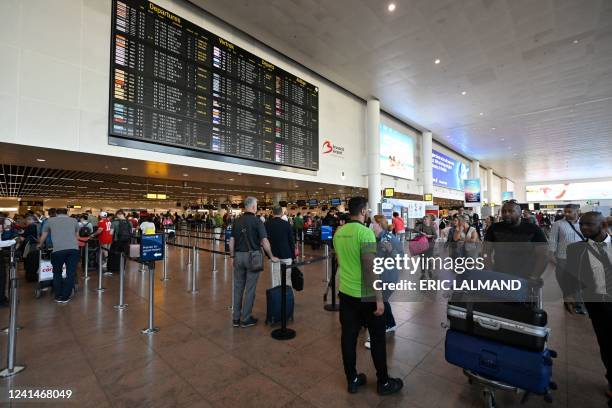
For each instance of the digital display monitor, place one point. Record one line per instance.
(313, 202)
(335, 202)
(178, 88)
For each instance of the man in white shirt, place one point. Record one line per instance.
(591, 263)
(564, 232)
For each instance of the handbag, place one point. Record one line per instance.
(418, 245)
(255, 256)
(297, 279)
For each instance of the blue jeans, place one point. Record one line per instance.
(62, 288)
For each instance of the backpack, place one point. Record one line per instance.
(124, 231)
(84, 231)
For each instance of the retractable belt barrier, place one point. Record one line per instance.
(284, 333)
(333, 306)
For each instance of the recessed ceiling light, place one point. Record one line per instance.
(492, 128)
(502, 139)
(437, 61)
(463, 93)
(391, 7)
(481, 113)
(267, 182)
(185, 175)
(231, 179)
(41, 160)
(124, 168)
(576, 41)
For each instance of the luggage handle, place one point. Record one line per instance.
(490, 326)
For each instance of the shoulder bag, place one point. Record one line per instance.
(255, 256)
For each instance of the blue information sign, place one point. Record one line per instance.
(326, 233)
(152, 248)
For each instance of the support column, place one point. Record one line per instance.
(373, 152)
(426, 147)
(475, 174)
(276, 197)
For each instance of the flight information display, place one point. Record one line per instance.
(175, 84)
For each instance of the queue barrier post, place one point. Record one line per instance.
(100, 288)
(151, 328)
(333, 306)
(283, 333)
(302, 246)
(122, 305)
(165, 277)
(326, 253)
(194, 271)
(86, 268)
(214, 260)
(12, 369)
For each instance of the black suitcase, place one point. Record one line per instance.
(515, 324)
(114, 258)
(30, 264)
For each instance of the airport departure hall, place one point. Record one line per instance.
(306, 203)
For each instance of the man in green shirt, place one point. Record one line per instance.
(355, 247)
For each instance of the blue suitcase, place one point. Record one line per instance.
(528, 370)
(273, 302)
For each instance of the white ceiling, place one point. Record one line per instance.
(540, 71)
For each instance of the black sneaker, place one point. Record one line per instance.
(392, 386)
(356, 383)
(251, 321)
(236, 323)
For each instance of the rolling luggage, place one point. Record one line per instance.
(509, 317)
(31, 263)
(273, 302)
(114, 257)
(528, 370)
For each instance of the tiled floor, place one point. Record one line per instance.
(199, 360)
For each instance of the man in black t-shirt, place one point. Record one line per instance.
(248, 235)
(516, 247)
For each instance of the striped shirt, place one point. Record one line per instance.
(598, 268)
(561, 235)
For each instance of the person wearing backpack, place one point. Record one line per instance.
(122, 235)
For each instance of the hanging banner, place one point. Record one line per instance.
(472, 192)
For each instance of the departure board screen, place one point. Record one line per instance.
(175, 84)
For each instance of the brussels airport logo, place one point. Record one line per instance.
(332, 149)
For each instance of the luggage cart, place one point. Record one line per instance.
(490, 386)
(45, 273)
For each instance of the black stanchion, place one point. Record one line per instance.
(333, 306)
(283, 333)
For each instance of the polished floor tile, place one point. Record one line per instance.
(199, 360)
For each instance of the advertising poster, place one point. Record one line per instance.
(448, 172)
(472, 191)
(570, 191)
(396, 153)
(507, 195)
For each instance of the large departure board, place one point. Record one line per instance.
(177, 85)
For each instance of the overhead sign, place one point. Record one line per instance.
(388, 192)
(596, 190)
(448, 172)
(396, 153)
(472, 192)
(152, 248)
(507, 195)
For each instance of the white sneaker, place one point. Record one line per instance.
(367, 344)
(390, 329)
